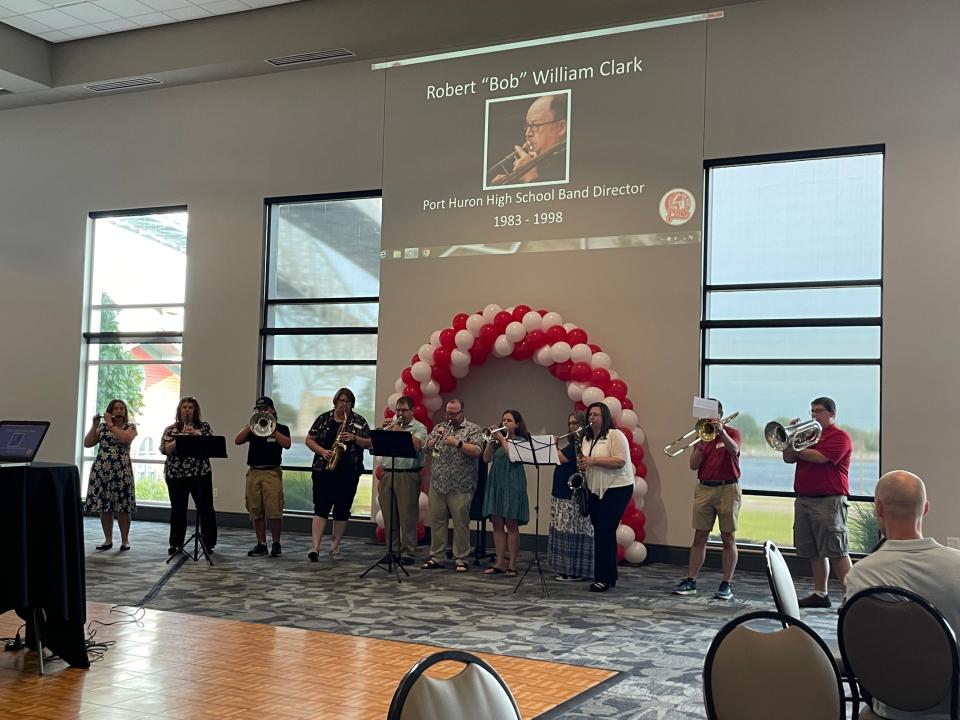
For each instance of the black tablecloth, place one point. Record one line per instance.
(42, 563)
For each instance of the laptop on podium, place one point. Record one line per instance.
(20, 440)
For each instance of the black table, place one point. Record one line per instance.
(42, 563)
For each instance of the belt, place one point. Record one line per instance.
(408, 470)
(718, 483)
(264, 467)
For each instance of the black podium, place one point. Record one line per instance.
(199, 446)
(392, 444)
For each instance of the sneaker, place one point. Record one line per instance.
(686, 587)
(275, 550)
(814, 600)
(724, 592)
(258, 549)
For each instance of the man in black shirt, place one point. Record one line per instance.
(264, 496)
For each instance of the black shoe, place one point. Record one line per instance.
(275, 550)
(687, 586)
(105, 546)
(815, 601)
(258, 549)
(172, 550)
(313, 555)
(599, 587)
(724, 592)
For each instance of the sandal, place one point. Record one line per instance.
(462, 566)
(599, 587)
(511, 572)
(493, 570)
(313, 556)
(431, 564)
(124, 547)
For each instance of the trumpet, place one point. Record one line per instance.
(798, 436)
(488, 433)
(387, 424)
(705, 430)
(262, 424)
(444, 428)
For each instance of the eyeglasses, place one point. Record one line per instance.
(535, 127)
(817, 411)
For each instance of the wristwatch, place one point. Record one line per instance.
(460, 445)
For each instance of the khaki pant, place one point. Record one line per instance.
(442, 507)
(407, 489)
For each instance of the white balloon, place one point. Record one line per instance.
(511, 309)
(399, 385)
(569, 326)
(614, 375)
(435, 338)
(426, 353)
(543, 356)
(515, 332)
(625, 536)
(502, 346)
(551, 319)
(430, 388)
(532, 321)
(432, 403)
(458, 358)
(581, 352)
(379, 518)
(639, 436)
(490, 312)
(592, 395)
(600, 360)
(636, 553)
(628, 419)
(459, 371)
(575, 390)
(464, 339)
(639, 488)
(392, 401)
(638, 503)
(613, 404)
(421, 371)
(560, 351)
(474, 323)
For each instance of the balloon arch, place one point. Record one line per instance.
(541, 336)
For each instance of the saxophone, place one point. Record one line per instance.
(336, 452)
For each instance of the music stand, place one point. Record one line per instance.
(538, 451)
(392, 444)
(198, 446)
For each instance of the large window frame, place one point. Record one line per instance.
(269, 331)
(707, 324)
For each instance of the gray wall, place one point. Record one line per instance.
(780, 76)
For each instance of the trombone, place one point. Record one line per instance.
(797, 436)
(705, 430)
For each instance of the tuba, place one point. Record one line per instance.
(262, 424)
(336, 452)
(798, 436)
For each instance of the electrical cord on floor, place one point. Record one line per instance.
(14, 644)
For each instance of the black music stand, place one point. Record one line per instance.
(540, 454)
(392, 444)
(199, 446)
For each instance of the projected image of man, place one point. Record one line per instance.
(542, 157)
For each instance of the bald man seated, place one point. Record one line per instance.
(909, 560)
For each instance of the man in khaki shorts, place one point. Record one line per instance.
(264, 495)
(717, 496)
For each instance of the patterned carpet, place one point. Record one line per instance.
(655, 639)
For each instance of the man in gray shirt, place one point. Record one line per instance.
(909, 560)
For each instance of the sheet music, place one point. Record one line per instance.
(544, 446)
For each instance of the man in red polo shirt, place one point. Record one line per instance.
(717, 496)
(820, 509)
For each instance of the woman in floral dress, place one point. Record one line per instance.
(111, 491)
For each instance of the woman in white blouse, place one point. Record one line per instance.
(609, 475)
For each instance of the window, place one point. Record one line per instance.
(321, 313)
(792, 311)
(134, 331)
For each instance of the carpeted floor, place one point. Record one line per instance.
(657, 640)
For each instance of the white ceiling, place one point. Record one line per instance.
(64, 20)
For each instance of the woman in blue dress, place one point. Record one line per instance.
(111, 490)
(505, 500)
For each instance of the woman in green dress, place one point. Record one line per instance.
(505, 500)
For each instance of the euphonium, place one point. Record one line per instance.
(798, 436)
(336, 452)
(262, 424)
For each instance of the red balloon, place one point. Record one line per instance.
(488, 333)
(378, 472)
(478, 355)
(636, 449)
(446, 381)
(421, 532)
(562, 370)
(428, 424)
(407, 377)
(459, 321)
(637, 461)
(600, 377)
(441, 359)
(522, 350)
(640, 469)
(519, 311)
(620, 551)
(580, 406)
(413, 392)
(501, 320)
(556, 333)
(577, 336)
(595, 348)
(536, 339)
(618, 389)
(420, 412)
(627, 403)
(388, 413)
(580, 372)
(640, 535)
(631, 507)
(448, 338)
(381, 534)
(542, 312)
